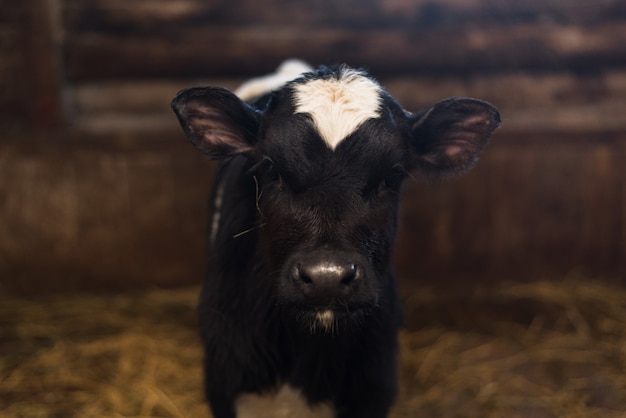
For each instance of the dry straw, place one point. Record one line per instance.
(518, 350)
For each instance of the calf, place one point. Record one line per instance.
(299, 313)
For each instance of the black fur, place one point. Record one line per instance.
(285, 199)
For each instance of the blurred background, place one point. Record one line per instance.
(512, 276)
(99, 189)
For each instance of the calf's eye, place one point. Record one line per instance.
(266, 169)
(394, 178)
(272, 171)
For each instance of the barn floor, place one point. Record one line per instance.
(519, 350)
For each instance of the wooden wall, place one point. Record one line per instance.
(98, 189)
(30, 84)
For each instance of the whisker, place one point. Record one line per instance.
(258, 196)
(249, 230)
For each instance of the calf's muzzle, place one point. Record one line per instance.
(325, 275)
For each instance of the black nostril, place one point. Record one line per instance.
(348, 274)
(302, 274)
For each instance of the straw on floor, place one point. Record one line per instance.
(537, 350)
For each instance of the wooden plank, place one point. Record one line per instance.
(512, 89)
(139, 97)
(540, 209)
(600, 118)
(219, 51)
(532, 103)
(116, 213)
(600, 185)
(515, 89)
(620, 170)
(31, 74)
(153, 16)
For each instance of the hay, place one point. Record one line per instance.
(522, 350)
(101, 356)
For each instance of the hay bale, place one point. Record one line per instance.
(522, 350)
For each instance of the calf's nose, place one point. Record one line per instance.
(320, 278)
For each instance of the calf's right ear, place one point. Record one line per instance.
(217, 122)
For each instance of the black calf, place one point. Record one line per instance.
(299, 311)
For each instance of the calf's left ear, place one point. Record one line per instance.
(448, 137)
(217, 122)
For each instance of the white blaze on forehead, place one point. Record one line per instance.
(338, 106)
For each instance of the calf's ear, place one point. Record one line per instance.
(448, 138)
(217, 122)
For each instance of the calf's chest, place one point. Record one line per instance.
(284, 402)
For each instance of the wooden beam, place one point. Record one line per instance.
(142, 17)
(31, 73)
(232, 51)
(560, 101)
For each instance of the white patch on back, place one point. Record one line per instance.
(286, 402)
(288, 71)
(338, 106)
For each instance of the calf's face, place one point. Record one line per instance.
(328, 154)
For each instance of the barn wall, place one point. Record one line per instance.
(99, 190)
(542, 206)
(30, 85)
(103, 214)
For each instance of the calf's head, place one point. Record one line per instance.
(329, 152)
